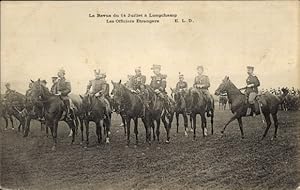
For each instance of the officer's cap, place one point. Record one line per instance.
(61, 71)
(200, 67)
(54, 77)
(156, 67)
(97, 72)
(250, 67)
(181, 75)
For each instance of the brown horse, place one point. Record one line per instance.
(53, 107)
(94, 110)
(131, 108)
(268, 102)
(197, 104)
(180, 108)
(160, 111)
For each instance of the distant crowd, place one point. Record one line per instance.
(292, 100)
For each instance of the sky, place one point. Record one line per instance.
(39, 38)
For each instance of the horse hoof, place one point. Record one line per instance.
(167, 141)
(85, 147)
(13, 129)
(107, 141)
(185, 133)
(109, 132)
(5, 129)
(192, 130)
(243, 137)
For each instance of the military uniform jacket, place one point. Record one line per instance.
(63, 86)
(252, 79)
(202, 80)
(159, 82)
(97, 85)
(181, 85)
(137, 81)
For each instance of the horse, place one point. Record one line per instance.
(94, 110)
(159, 109)
(197, 104)
(131, 108)
(53, 110)
(223, 101)
(13, 106)
(268, 104)
(180, 108)
(5, 114)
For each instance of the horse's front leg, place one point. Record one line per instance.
(212, 121)
(194, 124)
(86, 122)
(81, 129)
(136, 130)
(128, 120)
(12, 122)
(241, 126)
(177, 120)
(230, 120)
(73, 128)
(203, 125)
(158, 129)
(27, 126)
(107, 129)
(99, 132)
(185, 120)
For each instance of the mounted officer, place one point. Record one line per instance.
(9, 92)
(252, 90)
(62, 88)
(54, 82)
(201, 83)
(137, 85)
(99, 88)
(159, 84)
(182, 88)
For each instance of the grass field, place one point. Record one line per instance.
(214, 162)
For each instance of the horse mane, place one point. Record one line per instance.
(234, 87)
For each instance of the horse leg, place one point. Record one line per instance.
(136, 130)
(185, 121)
(194, 125)
(98, 132)
(231, 119)
(177, 120)
(153, 130)
(54, 126)
(87, 132)
(268, 121)
(27, 126)
(241, 126)
(128, 130)
(191, 122)
(275, 119)
(158, 129)
(124, 125)
(107, 131)
(6, 122)
(12, 122)
(73, 128)
(212, 121)
(203, 125)
(81, 129)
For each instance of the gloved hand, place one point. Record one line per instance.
(97, 94)
(58, 93)
(133, 91)
(250, 85)
(156, 91)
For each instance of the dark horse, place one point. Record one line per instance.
(197, 104)
(180, 108)
(131, 108)
(53, 108)
(160, 109)
(13, 106)
(94, 110)
(268, 102)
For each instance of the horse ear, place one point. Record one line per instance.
(32, 81)
(81, 96)
(112, 82)
(120, 81)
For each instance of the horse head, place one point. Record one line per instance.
(117, 92)
(223, 87)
